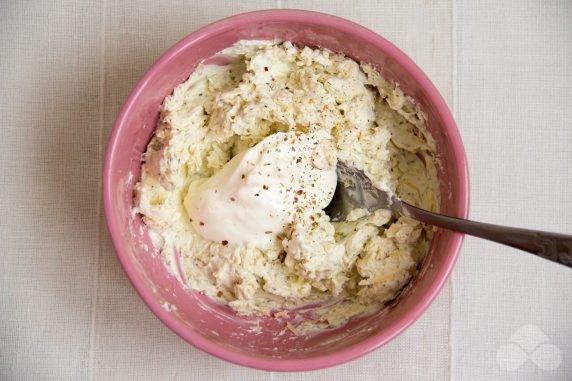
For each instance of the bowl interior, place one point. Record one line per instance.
(263, 342)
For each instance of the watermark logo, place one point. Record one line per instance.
(529, 343)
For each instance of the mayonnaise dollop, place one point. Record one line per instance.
(254, 197)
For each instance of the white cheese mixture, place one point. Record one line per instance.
(243, 162)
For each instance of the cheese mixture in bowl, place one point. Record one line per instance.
(242, 164)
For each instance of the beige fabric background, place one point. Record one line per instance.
(67, 312)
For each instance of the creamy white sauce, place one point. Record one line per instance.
(254, 197)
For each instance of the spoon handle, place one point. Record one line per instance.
(552, 246)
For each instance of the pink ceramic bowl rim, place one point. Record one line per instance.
(363, 347)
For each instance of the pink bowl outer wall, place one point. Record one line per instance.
(426, 88)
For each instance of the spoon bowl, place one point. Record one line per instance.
(355, 190)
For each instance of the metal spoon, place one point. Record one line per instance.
(355, 190)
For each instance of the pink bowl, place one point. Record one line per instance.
(213, 328)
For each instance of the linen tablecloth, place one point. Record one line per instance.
(67, 311)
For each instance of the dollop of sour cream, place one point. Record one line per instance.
(254, 197)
